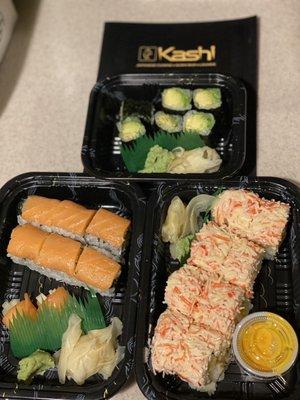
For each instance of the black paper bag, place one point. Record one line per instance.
(228, 47)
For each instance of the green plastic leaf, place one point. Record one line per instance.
(27, 335)
(134, 155)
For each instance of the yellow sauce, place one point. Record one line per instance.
(268, 344)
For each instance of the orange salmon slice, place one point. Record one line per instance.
(96, 269)
(58, 298)
(70, 216)
(25, 307)
(26, 242)
(109, 227)
(59, 253)
(37, 209)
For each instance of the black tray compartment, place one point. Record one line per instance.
(277, 289)
(126, 200)
(101, 145)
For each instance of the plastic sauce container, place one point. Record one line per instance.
(265, 345)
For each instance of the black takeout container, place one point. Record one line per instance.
(101, 146)
(126, 200)
(277, 289)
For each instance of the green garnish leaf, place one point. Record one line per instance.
(134, 156)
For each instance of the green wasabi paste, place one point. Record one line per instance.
(158, 160)
(35, 364)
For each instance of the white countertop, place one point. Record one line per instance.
(51, 66)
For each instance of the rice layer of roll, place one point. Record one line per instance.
(249, 216)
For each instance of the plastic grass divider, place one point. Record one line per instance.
(134, 155)
(45, 333)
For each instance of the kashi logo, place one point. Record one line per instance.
(158, 54)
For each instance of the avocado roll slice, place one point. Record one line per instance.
(130, 128)
(197, 122)
(168, 122)
(177, 99)
(207, 99)
(137, 108)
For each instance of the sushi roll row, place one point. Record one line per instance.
(135, 115)
(101, 229)
(178, 99)
(212, 292)
(63, 259)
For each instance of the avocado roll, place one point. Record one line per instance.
(168, 122)
(177, 99)
(207, 99)
(130, 128)
(200, 123)
(137, 108)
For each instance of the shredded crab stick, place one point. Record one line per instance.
(248, 215)
(103, 273)
(64, 217)
(108, 231)
(205, 299)
(236, 260)
(196, 354)
(24, 307)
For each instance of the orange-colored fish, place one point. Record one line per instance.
(70, 217)
(26, 242)
(96, 269)
(25, 307)
(109, 227)
(59, 253)
(37, 209)
(57, 298)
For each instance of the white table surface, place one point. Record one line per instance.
(51, 66)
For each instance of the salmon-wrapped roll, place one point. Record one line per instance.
(249, 216)
(108, 231)
(63, 217)
(206, 299)
(26, 242)
(59, 253)
(196, 354)
(236, 260)
(60, 258)
(96, 270)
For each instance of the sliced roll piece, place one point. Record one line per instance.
(236, 260)
(206, 299)
(60, 254)
(26, 242)
(196, 354)
(108, 231)
(103, 273)
(64, 217)
(249, 216)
